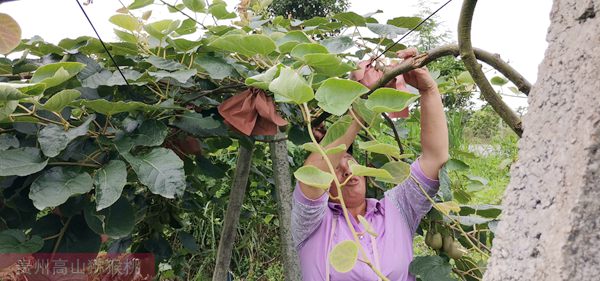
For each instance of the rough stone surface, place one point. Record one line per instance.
(550, 229)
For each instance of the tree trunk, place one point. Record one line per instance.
(281, 173)
(550, 228)
(236, 198)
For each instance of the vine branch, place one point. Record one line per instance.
(468, 56)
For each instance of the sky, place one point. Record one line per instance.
(515, 29)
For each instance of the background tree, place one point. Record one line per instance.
(306, 9)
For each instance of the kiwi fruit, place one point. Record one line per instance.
(436, 241)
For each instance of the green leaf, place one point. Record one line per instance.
(151, 133)
(162, 28)
(351, 19)
(363, 171)
(14, 241)
(381, 148)
(456, 165)
(166, 64)
(116, 221)
(125, 36)
(386, 30)
(184, 44)
(188, 26)
(291, 87)
(53, 138)
(399, 170)
(109, 182)
(307, 48)
(470, 220)
(219, 10)
(126, 22)
(448, 206)
(161, 170)
(405, 22)
(389, 100)
(193, 122)
(309, 146)
(287, 42)
(56, 73)
(139, 4)
(336, 130)
(344, 255)
(10, 34)
(263, 80)
(8, 93)
(445, 183)
(484, 210)
(77, 238)
(314, 177)
(217, 68)
(327, 64)
(197, 6)
(105, 107)
(336, 95)
(431, 268)
(61, 99)
(368, 228)
(498, 81)
(338, 44)
(7, 108)
(21, 162)
(56, 185)
(181, 76)
(465, 78)
(8, 141)
(248, 45)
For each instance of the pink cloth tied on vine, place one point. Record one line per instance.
(251, 112)
(368, 75)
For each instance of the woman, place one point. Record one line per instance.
(318, 223)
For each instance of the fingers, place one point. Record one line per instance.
(407, 53)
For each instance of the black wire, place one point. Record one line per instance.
(102, 42)
(413, 29)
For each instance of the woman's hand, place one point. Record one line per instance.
(420, 77)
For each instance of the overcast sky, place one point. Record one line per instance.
(516, 29)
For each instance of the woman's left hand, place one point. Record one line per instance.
(420, 77)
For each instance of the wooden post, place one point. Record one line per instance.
(281, 173)
(232, 217)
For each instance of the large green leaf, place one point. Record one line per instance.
(263, 80)
(184, 44)
(389, 100)
(351, 19)
(287, 42)
(116, 221)
(327, 64)
(368, 116)
(10, 34)
(56, 73)
(109, 182)
(485, 210)
(291, 87)
(8, 93)
(151, 133)
(336, 95)
(61, 99)
(194, 123)
(343, 256)
(188, 26)
(105, 107)
(77, 238)
(337, 130)
(165, 64)
(7, 108)
(431, 268)
(56, 185)
(405, 22)
(53, 138)
(309, 146)
(8, 141)
(14, 241)
(363, 171)
(399, 170)
(197, 6)
(161, 29)
(219, 10)
(161, 170)
(139, 4)
(338, 44)
(381, 148)
(313, 176)
(126, 22)
(181, 76)
(248, 45)
(217, 68)
(307, 48)
(445, 183)
(21, 162)
(386, 30)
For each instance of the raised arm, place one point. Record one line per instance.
(434, 131)
(318, 161)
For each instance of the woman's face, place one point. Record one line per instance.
(355, 189)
